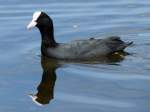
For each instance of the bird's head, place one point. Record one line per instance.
(41, 20)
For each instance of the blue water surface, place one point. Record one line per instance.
(122, 86)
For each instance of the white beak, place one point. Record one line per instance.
(32, 24)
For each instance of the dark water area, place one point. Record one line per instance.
(118, 86)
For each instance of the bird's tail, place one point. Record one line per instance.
(129, 43)
(123, 46)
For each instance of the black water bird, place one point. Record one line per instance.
(78, 49)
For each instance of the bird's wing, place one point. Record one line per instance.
(88, 48)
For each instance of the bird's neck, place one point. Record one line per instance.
(47, 35)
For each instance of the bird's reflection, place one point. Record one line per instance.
(46, 87)
(45, 90)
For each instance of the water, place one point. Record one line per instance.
(120, 86)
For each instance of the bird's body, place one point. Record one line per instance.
(78, 49)
(84, 49)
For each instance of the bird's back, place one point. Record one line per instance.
(83, 49)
